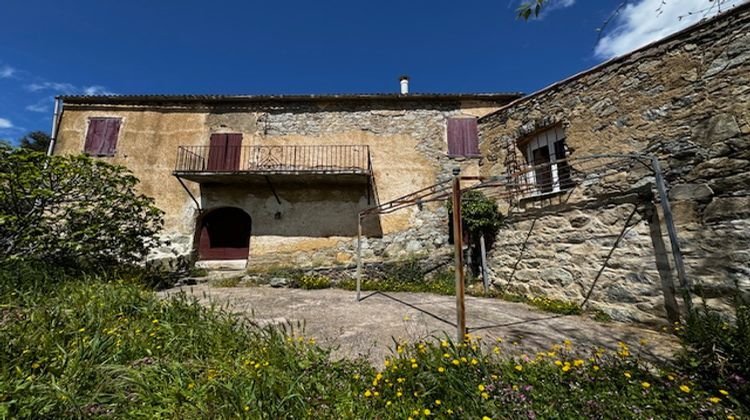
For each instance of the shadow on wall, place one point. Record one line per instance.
(316, 210)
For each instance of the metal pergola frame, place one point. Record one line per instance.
(513, 185)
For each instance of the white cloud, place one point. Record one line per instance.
(645, 21)
(57, 87)
(5, 123)
(96, 90)
(41, 106)
(6, 72)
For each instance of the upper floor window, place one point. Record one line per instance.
(546, 154)
(463, 138)
(101, 138)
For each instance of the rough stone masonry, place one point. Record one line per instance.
(686, 100)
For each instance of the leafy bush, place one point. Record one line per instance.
(313, 281)
(72, 211)
(406, 271)
(94, 349)
(717, 349)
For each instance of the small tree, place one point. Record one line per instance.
(35, 140)
(481, 218)
(72, 211)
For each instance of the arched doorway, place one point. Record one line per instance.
(224, 234)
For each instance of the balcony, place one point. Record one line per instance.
(228, 163)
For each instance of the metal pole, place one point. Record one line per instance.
(55, 121)
(459, 257)
(676, 252)
(359, 255)
(485, 275)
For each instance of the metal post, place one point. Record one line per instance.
(485, 275)
(459, 257)
(672, 232)
(359, 255)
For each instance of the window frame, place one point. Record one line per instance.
(547, 138)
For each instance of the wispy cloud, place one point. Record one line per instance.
(96, 90)
(43, 105)
(5, 123)
(53, 86)
(645, 21)
(6, 72)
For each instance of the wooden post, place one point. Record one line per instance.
(672, 232)
(359, 255)
(485, 275)
(459, 258)
(662, 264)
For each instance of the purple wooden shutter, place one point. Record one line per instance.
(94, 137)
(101, 138)
(463, 139)
(234, 145)
(217, 151)
(109, 141)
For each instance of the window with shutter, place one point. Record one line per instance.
(101, 138)
(463, 137)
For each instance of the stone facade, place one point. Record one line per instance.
(302, 221)
(686, 100)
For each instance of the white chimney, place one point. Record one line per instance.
(404, 84)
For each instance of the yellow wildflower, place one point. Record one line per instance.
(723, 392)
(684, 388)
(715, 400)
(566, 368)
(414, 365)
(247, 408)
(444, 343)
(456, 362)
(388, 403)
(519, 368)
(156, 321)
(486, 418)
(578, 362)
(480, 387)
(82, 330)
(485, 395)
(646, 385)
(399, 394)
(474, 361)
(438, 402)
(368, 393)
(627, 375)
(441, 369)
(426, 412)
(558, 363)
(670, 377)
(596, 367)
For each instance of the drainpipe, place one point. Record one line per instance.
(55, 121)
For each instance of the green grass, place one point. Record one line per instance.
(91, 348)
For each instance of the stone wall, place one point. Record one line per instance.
(686, 100)
(408, 148)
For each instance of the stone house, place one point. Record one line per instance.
(281, 179)
(684, 99)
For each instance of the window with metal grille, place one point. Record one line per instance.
(546, 155)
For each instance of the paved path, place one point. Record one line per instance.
(335, 319)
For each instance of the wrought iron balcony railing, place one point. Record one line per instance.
(345, 159)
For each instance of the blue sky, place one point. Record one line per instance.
(288, 46)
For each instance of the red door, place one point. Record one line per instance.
(224, 152)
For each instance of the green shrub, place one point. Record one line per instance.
(72, 211)
(227, 282)
(717, 349)
(313, 281)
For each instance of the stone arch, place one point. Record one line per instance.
(223, 233)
